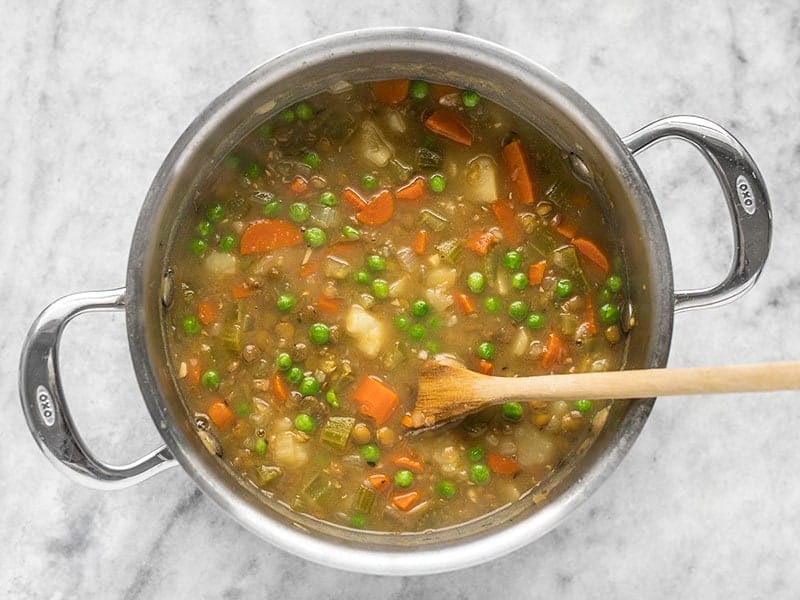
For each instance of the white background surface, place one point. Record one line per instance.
(93, 95)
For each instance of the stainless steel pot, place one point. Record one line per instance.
(496, 73)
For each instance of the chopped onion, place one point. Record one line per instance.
(407, 259)
(481, 177)
(221, 263)
(374, 146)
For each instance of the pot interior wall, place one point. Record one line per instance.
(495, 73)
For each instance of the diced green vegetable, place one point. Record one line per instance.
(336, 432)
(267, 473)
(450, 250)
(568, 324)
(542, 242)
(232, 338)
(318, 488)
(432, 220)
(364, 499)
(428, 160)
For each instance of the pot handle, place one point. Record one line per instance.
(745, 194)
(46, 411)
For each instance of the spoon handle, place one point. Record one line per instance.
(646, 383)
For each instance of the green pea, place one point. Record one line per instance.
(403, 478)
(535, 321)
(380, 289)
(475, 454)
(270, 209)
(286, 302)
(476, 282)
(227, 242)
(517, 310)
(369, 182)
(563, 288)
(604, 296)
(327, 199)
(299, 212)
(304, 111)
(434, 322)
(232, 161)
(242, 409)
(304, 422)
(470, 99)
(210, 380)
(331, 399)
(583, 406)
(614, 283)
(609, 314)
(433, 347)
(351, 233)
(401, 322)
(319, 333)
(204, 229)
(215, 213)
(370, 453)
(198, 247)
(419, 308)
(312, 159)
(491, 304)
(479, 473)
(287, 116)
(261, 446)
(362, 277)
(512, 411)
(191, 325)
(419, 89)
(265, 131)
(253, 171)
(358, 521)
(283, 362)
(309, 386)
(417, 332)
(314, 237)
(519, 281)
(294, 375)
(512, 260)
(437, 183)
(446, 489)
(376, 262)
(485, 350)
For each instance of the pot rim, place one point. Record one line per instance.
(151, 376)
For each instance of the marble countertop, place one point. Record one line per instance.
(93, 95)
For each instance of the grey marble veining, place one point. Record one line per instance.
(94, 94)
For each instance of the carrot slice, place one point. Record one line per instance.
(536, 273)
(379, 210)
(465, 304)
(375, 399)
(480, 242)
(517, 165)
(588, 315)
(437, 90)
(353, 199)
(206, 312)
(405, 501)
(502, 465)
(448, 124)
(328, 306)
(566, 229)
(406, 421)
(390, 91)
(507, 220)
(485, 367)
(408, 462)
(554, 350)
(411, 192)
(309, 268)
(420, 242)
(241, 290)
(590, 250)
(378, 481)
(299, 186)
(279, 387)
(268, 235)
(220, 414)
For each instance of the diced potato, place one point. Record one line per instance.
(400, 288)
(374, 146)
(289, 450)
(368, 331)
(220, 263)
(441, 277)
(438, 298)
(535, 448)
(336, 268)
(395, 121)
(520, 343)
(481, 176)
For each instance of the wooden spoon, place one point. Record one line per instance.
(448, 390)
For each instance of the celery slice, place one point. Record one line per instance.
(336, 432)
